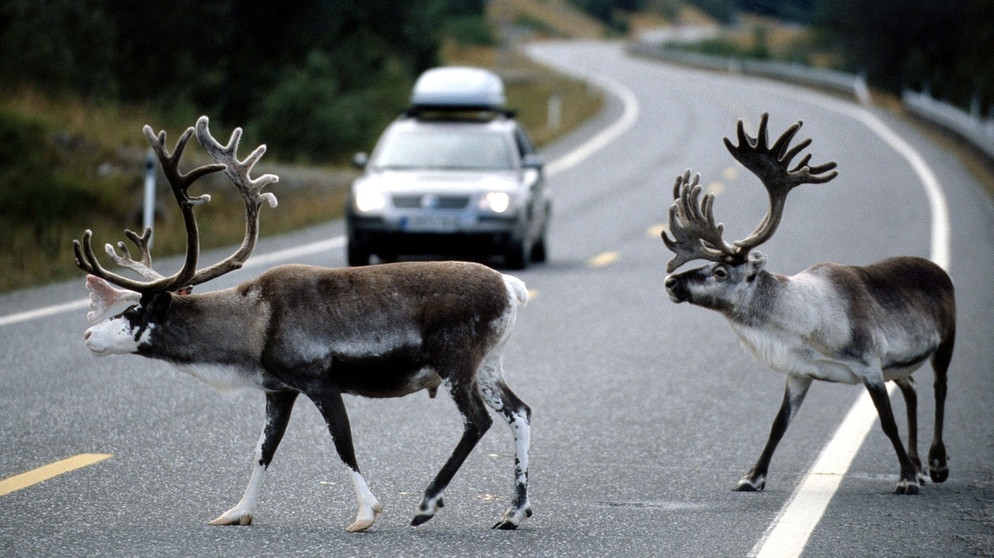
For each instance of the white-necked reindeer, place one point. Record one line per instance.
(383, 331)
(831, 322)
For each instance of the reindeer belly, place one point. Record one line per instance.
(224, 377)
(794, 355)
(393, 374)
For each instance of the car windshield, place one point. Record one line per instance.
(443, 149)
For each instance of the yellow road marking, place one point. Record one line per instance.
(603, 259)
(715, 188)
(24, 480)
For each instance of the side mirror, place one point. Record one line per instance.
(360, 160)
(532, 161)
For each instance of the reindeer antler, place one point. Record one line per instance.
(249, 188)
(237, 171)
(771, 164)
(692, 224)
(696, 235)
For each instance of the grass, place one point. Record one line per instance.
(95, 155)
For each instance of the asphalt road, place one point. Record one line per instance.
(646, 413)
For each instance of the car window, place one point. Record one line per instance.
(524, 144)
(443, 149)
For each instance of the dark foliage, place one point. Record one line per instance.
(943, 46)
(297, 64)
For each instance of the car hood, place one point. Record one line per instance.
(406, 181)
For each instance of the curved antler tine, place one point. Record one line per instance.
(779, 149)
(81, 261)
(86, 260)
(762, 135)
(680, 180)
(141, 242)
(238, 172)
(743, 138)
(819, 170)
(695, 234)
(800, 166)
(143, 266)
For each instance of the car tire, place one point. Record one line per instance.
(539, 252)
(357, 254)
(516, 255)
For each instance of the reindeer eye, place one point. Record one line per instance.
(720, 272)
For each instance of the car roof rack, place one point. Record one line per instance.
(462, 90)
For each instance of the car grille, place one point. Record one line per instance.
(430, 201)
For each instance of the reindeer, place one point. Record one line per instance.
(383, 331)
(831, 322)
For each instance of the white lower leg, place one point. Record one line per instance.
(241, 514)
(369, 506)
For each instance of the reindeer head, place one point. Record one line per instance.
(730, 279)
(147, 301)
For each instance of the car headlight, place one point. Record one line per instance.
(367, 200)
(498, 202)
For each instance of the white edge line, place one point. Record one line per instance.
(790, 530)
(574, 157)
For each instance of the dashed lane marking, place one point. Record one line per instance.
(603, 259)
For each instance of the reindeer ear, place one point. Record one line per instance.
(104, 299)
(757, 262)
(156, 304)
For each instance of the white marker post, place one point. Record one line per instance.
(148, 208)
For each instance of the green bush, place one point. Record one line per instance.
(311, 119)
(35, 186)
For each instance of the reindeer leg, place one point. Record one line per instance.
(279, 405)
(476, 422)
(907, 386)
(795, 389)
(908, 483)
(937, 467)
(517, 414)
(332, 408)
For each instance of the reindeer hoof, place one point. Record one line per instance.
(360, 525)
(421, 518)
(937, 468)
(427, 511)
(232, 520)
(906, 487)
(513, 518)
(365, 520)
(938, 474)
(749, 484)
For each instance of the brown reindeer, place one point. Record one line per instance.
(382, 331)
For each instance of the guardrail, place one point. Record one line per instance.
(840, 82)
(977, 131)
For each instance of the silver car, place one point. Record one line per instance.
(454, 175)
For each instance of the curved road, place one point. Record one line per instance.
(646, 413)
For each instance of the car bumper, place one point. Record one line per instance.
(394, 237)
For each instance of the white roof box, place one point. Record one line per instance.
(458, 88)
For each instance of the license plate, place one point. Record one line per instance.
(428, 223)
